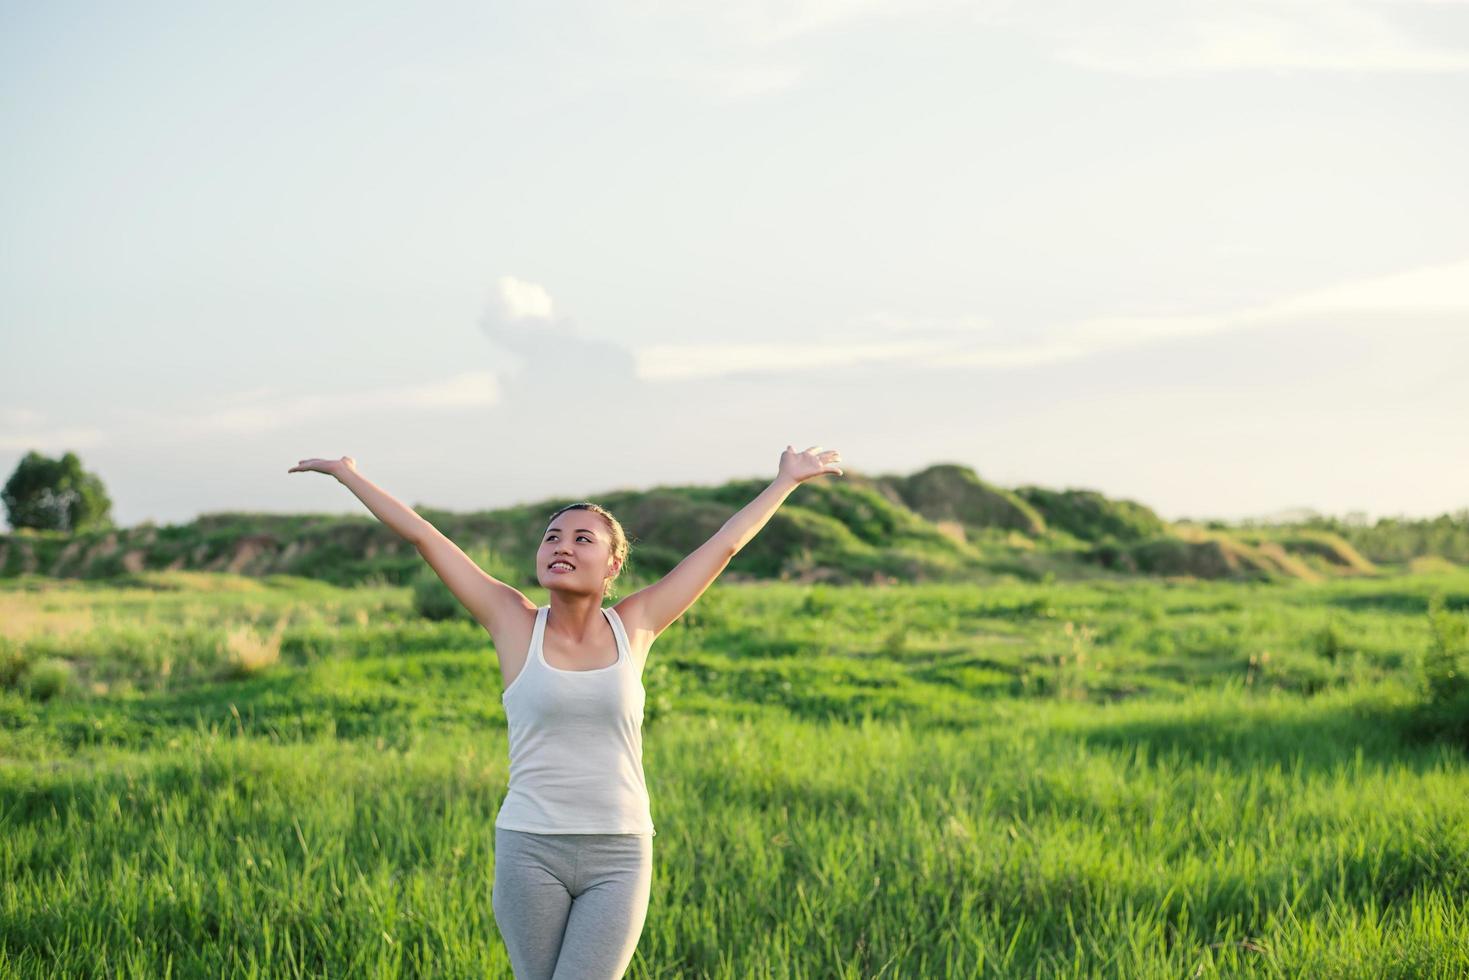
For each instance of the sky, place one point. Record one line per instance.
(1213, 257)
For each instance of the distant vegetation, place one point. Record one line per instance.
(47, 494)
(1401, 540)
(941, 524)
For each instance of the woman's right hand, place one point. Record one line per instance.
(332, 467)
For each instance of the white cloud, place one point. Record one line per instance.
(1018, 355)
(887, 324)
(520, 318)
(258, 412)
(521, 300)
(876, 337)
(1432, 289)
(1138, 37)
(682, 361)
(770, 22)
(533, 344)
(1176, 36)
(1437, 289)
(21, 430)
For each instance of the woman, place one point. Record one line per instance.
(574, 834)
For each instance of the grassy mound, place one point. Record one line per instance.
(950, 492)
(1324, 553)
(840, 532)
(1331, 549)
(1431, 565)
(1197, 553)
(1091, 516)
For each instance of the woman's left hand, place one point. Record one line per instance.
(802, 466)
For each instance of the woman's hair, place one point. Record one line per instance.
(619, 538)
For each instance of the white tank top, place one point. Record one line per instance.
(576, 744)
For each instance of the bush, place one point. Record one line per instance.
(818, 601)
(1443, 675)
(49, 678)
(13, 663)
(432, 598)
(1445, 666)
(1329, 642)
(248, 653)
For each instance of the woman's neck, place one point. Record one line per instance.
(573, 616)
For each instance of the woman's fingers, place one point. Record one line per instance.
(815, 450)
(313, 465)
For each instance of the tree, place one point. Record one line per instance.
(55, 495)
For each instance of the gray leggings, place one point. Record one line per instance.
(571, 906)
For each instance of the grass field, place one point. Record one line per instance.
(208, 775)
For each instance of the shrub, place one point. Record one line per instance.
(432, 598)
(1445, 666)
(247, 653)
(50, 677)
(13, 663)
(1443, 675)
(895, 641)
(818, 601)
(1330, 644)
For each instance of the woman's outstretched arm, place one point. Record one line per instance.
(384, 506)
(654, 608)
(488, 599)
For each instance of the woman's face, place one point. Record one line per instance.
(579, 538)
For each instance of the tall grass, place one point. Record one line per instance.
(1141, 780)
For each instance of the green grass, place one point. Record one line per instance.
(1113, 778)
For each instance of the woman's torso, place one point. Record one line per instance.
(576, 741)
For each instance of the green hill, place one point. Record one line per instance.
(941, 523)
(1090, 516)
(950, 492)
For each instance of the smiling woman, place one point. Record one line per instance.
(574, 834)
(608, 529)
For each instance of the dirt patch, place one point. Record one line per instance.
(1202, 554)
(67, 556)
(248, 549)
(1331, 549)
(1286, 562)
(952, 530)
(106, 546)
(1431, 565)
